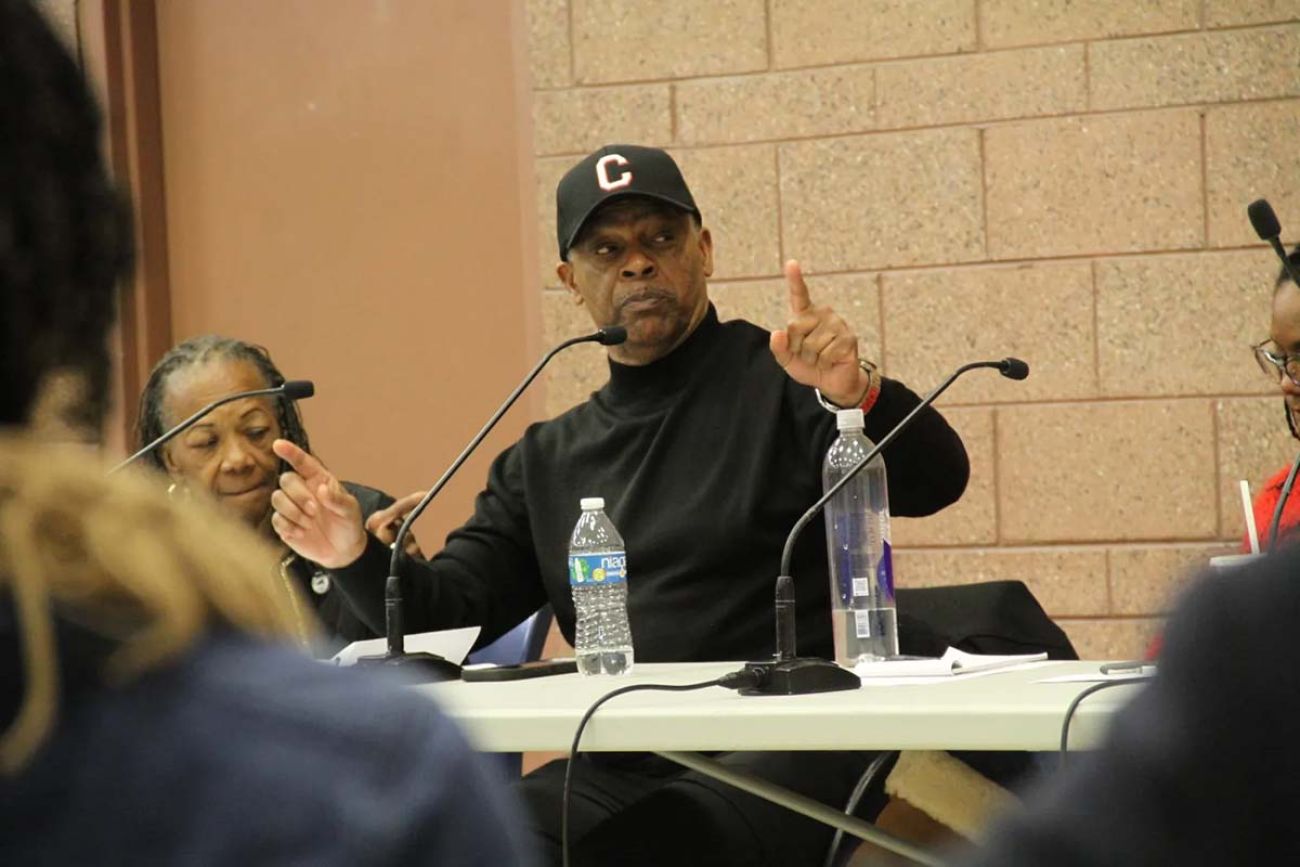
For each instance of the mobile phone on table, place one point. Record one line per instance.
(536, 668)
(1129, 666)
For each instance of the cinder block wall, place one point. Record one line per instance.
(1062, 181)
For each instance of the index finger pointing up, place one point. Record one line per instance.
(303, 463)
(799, 300)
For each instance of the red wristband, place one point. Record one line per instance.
(873, 394)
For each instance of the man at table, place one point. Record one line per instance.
(706, 443)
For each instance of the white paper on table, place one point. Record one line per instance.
(451, 644)
(931, 680)
(952, 662)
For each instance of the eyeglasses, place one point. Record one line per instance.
(1275, 365)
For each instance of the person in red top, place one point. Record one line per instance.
(1279, 358)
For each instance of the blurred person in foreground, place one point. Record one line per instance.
(227, 458)
(1203, 766)
(154, 708)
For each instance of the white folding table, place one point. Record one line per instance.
(1003, 710)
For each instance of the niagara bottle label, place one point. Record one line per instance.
(597, 569)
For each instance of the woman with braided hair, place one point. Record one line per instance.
(227, 456)
(228, 451)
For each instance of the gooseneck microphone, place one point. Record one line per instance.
(788, 673)
(293, 389)
(1264, 221)
(430, 663)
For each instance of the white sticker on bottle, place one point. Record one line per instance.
(862, 623)
(861, 586)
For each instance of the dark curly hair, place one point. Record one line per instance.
(65, 235)
(200, 350)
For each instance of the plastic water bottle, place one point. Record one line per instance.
(857, 547)
(598, 581)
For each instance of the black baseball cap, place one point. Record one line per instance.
(612, 172)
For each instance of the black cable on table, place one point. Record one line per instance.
(1078, 699)
(733, 680)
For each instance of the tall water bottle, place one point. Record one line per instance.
(857, 547)
(598, 581)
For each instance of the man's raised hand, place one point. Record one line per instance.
(817, 348)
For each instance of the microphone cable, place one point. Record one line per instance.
(731, 680)
(855, 797)
(1078, 699)
(1275, 525)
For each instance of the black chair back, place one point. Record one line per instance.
(990, 617)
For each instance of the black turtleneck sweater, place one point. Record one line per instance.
(705, 459)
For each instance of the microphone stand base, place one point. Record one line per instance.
(800, 676)
(420, 667)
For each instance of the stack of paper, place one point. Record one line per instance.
(451, 644)
(952, 662)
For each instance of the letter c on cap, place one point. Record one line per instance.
(602, 172)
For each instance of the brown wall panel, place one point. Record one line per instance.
(350, 185)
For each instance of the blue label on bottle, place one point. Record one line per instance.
(586, 569)
(885, 573)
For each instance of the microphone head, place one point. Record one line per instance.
(1263, 219)
(298, 389)
(611, 335)
(1013, 368)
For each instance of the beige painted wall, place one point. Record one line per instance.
(349, 184)
(1057, 180)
